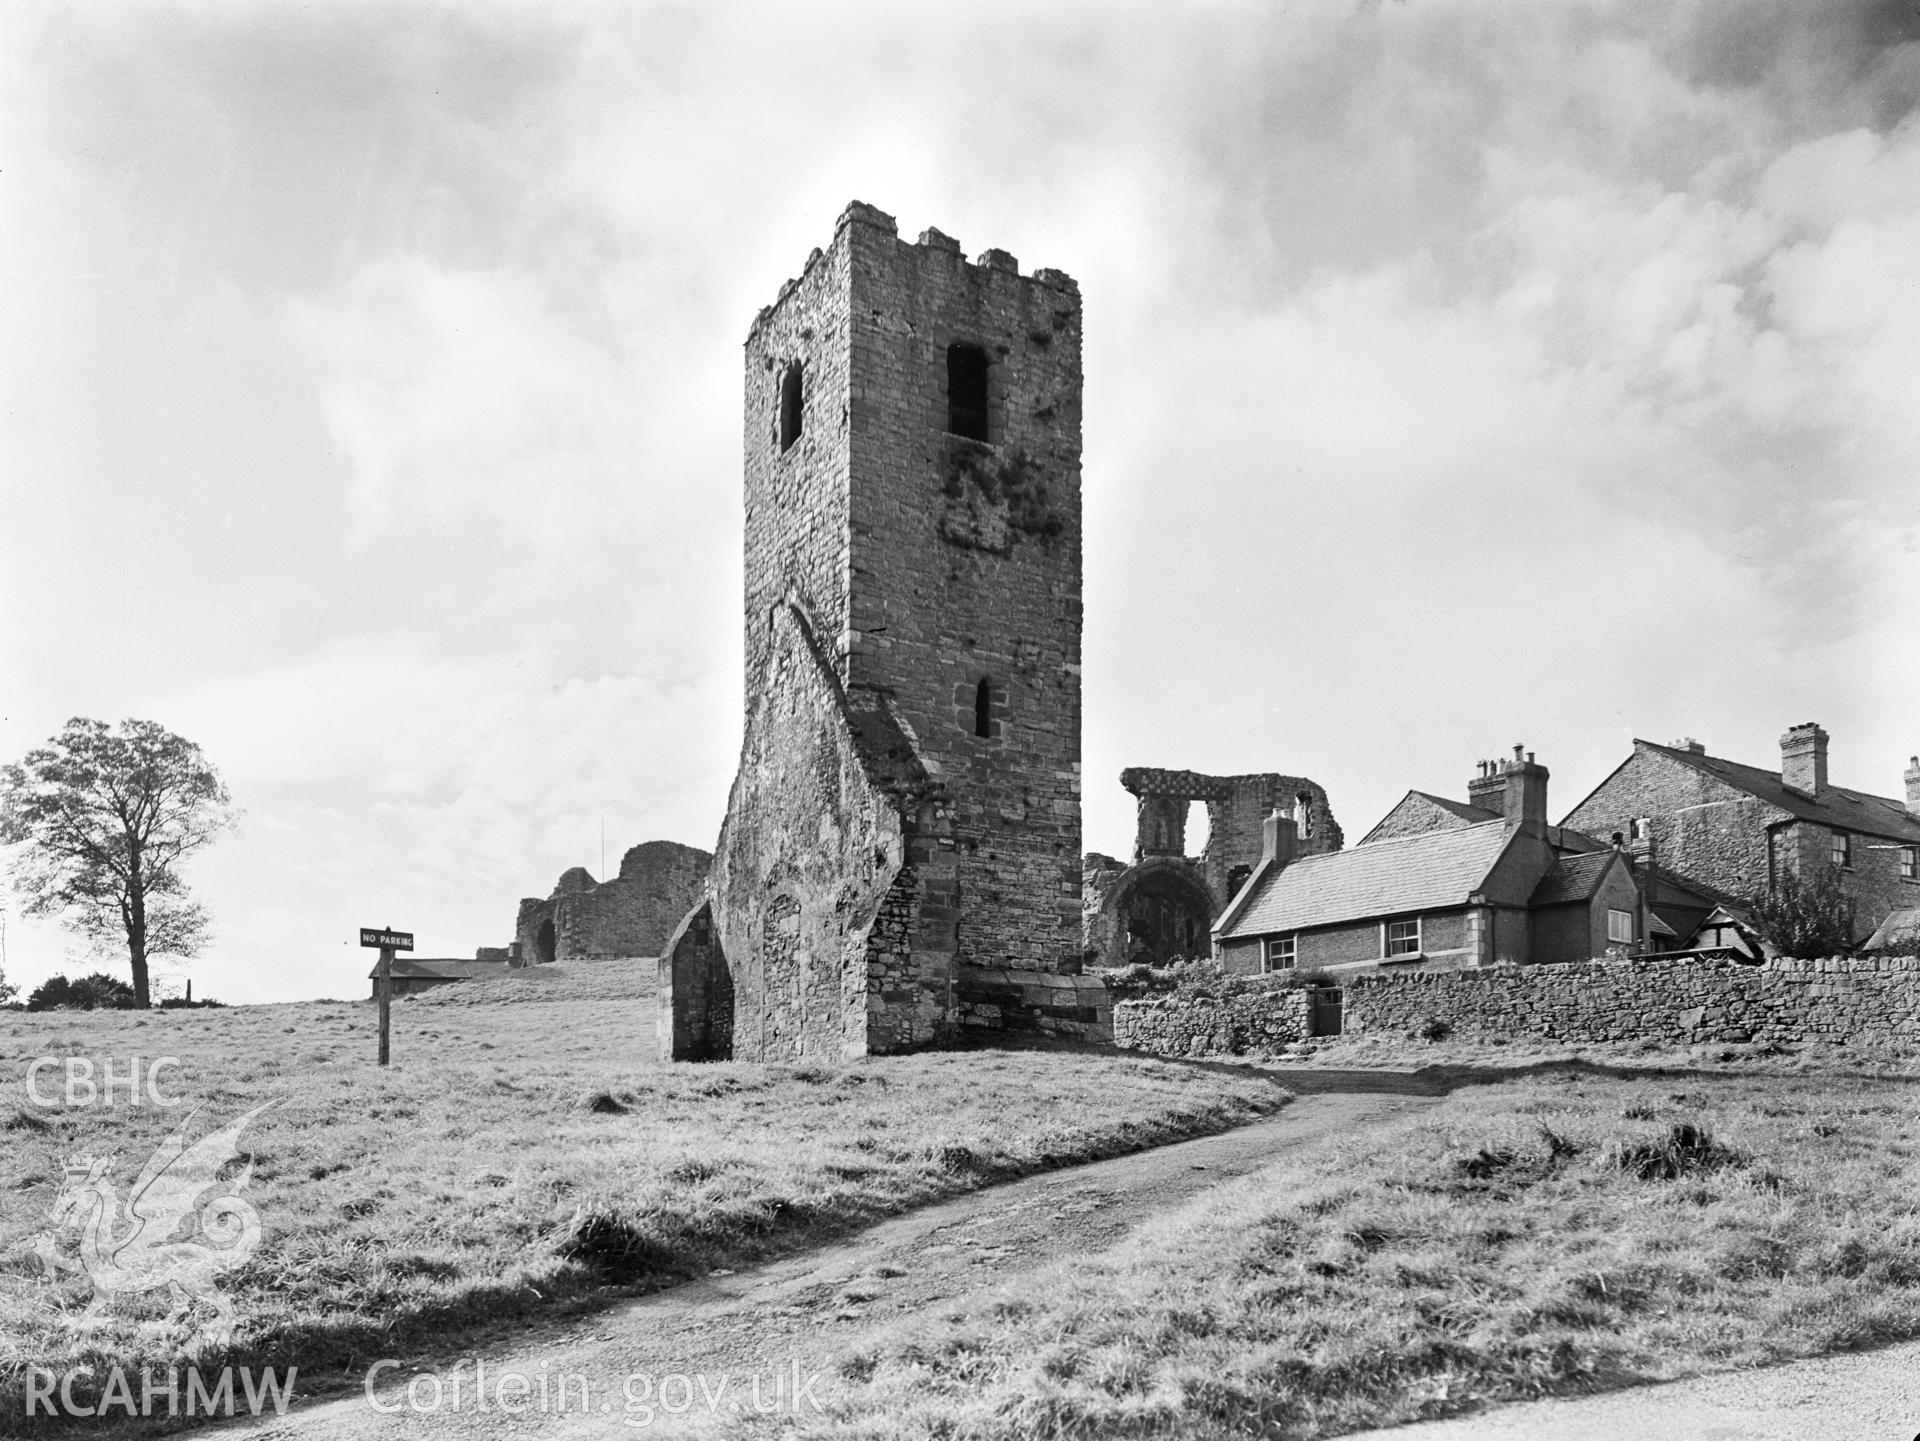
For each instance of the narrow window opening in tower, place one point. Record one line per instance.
(791, 411)
(967, 368)
(983, 708)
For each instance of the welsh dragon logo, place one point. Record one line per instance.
(179, 1227)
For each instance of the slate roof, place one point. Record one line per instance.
(1838, 806)
(1573, 878)
(1427, 872)
(405, 967)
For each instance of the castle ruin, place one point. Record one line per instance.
(1163, 905)
(630, 914)
(901, 852)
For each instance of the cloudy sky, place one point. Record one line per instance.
(1458, 374)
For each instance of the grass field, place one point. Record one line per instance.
(1544, 1235)
(525, 1154)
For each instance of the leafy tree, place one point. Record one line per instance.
(104, 819)
(1804, 916)
(97, 992)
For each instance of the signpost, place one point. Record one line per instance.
(386, 940)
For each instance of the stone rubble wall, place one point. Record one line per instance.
(1682, 1000)
(1229, 1026)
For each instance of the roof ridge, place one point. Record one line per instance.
(1773, 777)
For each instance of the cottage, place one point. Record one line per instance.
(1729, 830)
(1440, 886)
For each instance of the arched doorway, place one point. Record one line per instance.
(543, 943)
(1164, 910)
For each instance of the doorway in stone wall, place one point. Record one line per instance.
(543, 944)
(1325, 1009)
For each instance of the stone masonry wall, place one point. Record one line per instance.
(965, 566)
(1681, 1000)
(631, 914)
(1704, 830)
(796, 532)
(1414, 815)
(1039, 1002)
(810, 851)
(1230, 1026)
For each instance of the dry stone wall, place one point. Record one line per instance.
(1681, 1000)
(1226, 1026)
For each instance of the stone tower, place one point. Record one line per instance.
(901, 853)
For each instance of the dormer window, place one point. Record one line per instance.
(967, 369)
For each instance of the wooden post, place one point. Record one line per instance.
(386, 1000)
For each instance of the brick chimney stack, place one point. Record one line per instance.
(1913, 787)
(1279, 839)
(1803, 760)
(1486, 789)
(1526, 793)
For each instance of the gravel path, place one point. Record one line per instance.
(1864, 1396)
(783, 1323)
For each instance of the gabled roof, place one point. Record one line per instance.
(1573, 878)
(1837, 806)
(1459, 810)
(1427, 872)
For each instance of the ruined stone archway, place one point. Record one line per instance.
(1159, 909)
(543, 945)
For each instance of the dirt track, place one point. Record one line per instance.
(800, 1315)
(1870, 1396)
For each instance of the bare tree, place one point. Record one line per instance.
(103, 820)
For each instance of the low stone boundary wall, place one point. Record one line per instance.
(1685, 999)
(1228, 1026)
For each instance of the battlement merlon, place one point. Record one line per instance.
(858, 212)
